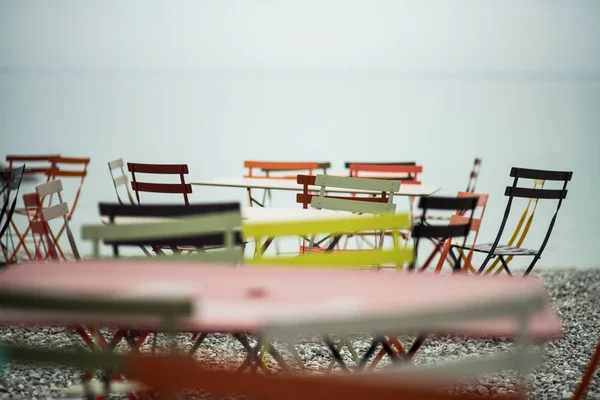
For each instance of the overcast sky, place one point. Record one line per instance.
(322, 34)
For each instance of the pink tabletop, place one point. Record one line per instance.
(229, 298)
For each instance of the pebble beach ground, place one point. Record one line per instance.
(574, 292)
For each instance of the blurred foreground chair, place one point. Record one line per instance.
(127, 214)
(397, 256)
(172, 226)
(141, 308)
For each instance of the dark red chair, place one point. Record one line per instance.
(180, 170)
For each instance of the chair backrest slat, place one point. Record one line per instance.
(56, 211)
(164, 229)
(531, 193)
(544, 175)
(375, 185)
(120, 180)
(49, 188)
(437, 231)
(165, 210)
(351, 205)
(162, 187)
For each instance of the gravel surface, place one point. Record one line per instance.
(574, 292)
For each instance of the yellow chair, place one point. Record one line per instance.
(263, 233)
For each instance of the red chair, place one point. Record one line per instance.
(180, 170)
(44, 244)
(407, 173)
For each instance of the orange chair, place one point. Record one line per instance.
(171, 374)
(69, 167)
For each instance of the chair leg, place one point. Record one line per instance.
(504, 266)
(535, 260)
(487, 259)
(587, 375)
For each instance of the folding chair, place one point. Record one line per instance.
(472, 182)
(270, 167)
(174, 374)
(521, 309)
(10, 190)
(408, 173)
(443, 247)
(68, 167)
(360, 205)
(38, 165)
(39, 218)
(262, 233)
(588, 375)
(179, 170)
(158, 212)
(439, 233)
(38, 225)
(215, 226)
(196, 225)
(121, 180)
(61, 305)
(512, 249)
(473, 176)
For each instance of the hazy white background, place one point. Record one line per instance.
(211, 83)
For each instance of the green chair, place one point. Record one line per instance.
(200, 227)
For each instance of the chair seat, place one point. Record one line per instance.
(501, 249)
(433, 217)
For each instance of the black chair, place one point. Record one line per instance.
(423, 229)
(501, 251)
(189, 243)
(12, 178)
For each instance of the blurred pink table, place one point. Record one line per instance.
(226, 296)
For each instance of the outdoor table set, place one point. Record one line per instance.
(215, 260)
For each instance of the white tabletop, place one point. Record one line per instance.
(291, 184)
